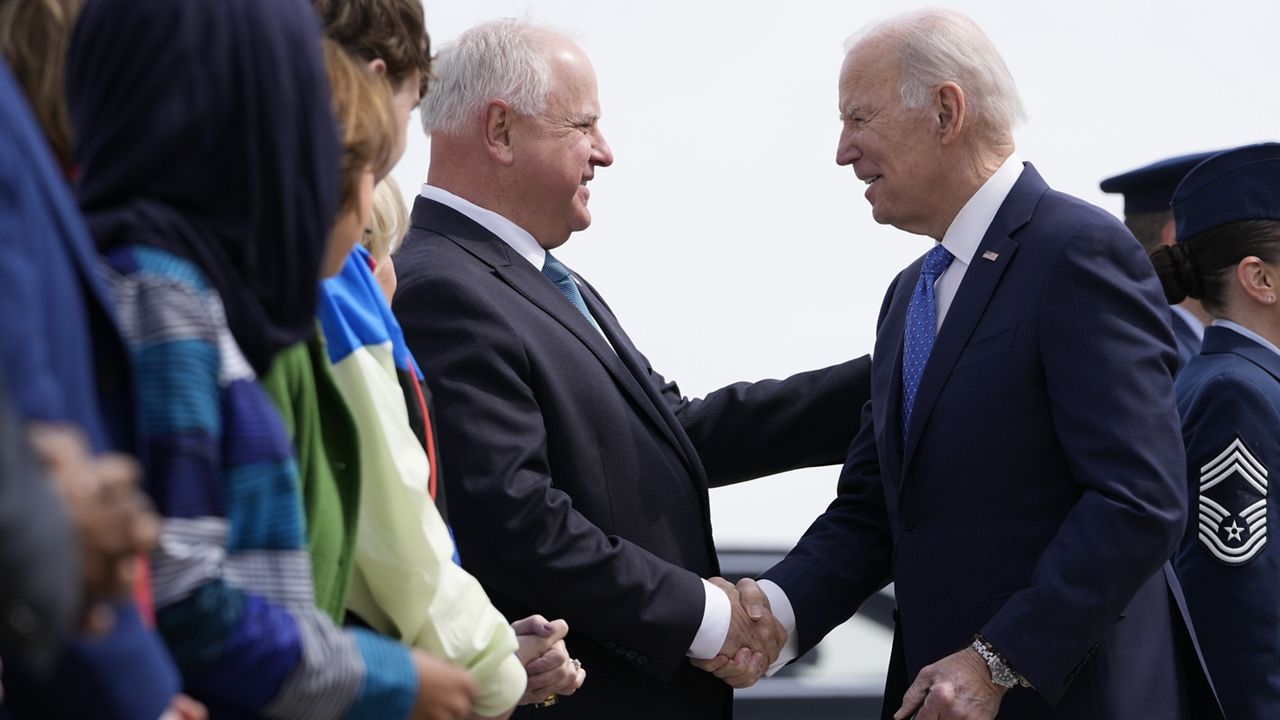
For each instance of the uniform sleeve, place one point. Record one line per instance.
(231, 578)
(1229, 570)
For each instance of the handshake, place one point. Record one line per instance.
(754, 639)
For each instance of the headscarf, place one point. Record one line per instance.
(203, 127)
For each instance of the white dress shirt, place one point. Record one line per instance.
(962, 239)
(512, 234)
(716, 612)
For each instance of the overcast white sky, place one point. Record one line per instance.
(733, 248)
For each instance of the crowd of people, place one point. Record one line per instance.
(273, 445)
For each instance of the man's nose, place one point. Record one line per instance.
(601, 153)
(847, 151)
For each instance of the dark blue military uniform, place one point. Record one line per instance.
(1229, 399)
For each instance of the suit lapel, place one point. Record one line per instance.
(980, 281)
(529, 282)
(657, 407)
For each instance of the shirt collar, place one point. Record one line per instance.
(512, 234)
(971, 223)
(1237, 327)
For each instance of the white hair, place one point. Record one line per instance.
(934, 46)
(498, 60)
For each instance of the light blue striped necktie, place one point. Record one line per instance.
(922, 323)
(559, 275)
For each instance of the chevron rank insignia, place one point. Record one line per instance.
(1233, 505)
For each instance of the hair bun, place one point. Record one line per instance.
(1178, 272)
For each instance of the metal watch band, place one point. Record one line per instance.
(1001, 673)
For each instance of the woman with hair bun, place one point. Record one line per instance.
(1227, 212)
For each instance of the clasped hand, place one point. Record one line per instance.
(754, 640)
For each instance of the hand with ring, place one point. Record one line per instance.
(552, 699)
(550, 670)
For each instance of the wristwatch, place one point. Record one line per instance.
(1001, 673)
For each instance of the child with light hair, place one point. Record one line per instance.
(387, 226)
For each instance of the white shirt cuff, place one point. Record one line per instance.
(716, 615)
(781, 608)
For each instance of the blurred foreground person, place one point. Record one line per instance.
(64, 365)
(208, 162)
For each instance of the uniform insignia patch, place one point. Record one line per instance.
(1233, 505)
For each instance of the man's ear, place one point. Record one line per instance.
(378, 67)
(949, 106)
(498, 117)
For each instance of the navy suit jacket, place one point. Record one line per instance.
(577, 477)
(1039, 489)
(1229, 398)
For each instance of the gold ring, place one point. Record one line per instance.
(550, 700)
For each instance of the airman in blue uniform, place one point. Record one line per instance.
(1227, 213)
(1147, 191)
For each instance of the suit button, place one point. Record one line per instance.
(609, 644)
(908, 521)
(641, 660)
(631, 654)
(620, 650)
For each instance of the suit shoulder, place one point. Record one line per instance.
(1063, 224)
(1223, 375)
(1081, 216)
(420, 248)
(429, 256)
(439, 283)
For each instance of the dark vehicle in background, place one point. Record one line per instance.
(842, 678)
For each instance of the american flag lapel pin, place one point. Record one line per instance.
(990, 255)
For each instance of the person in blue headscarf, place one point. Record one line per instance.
(1227, 212)
(62, 358)
(208, 175)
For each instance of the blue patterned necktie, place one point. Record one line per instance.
(559, 275)
(922, 323)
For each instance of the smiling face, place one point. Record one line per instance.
(556, 152)
(895, 150)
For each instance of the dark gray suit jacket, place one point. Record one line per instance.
(577, 477)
